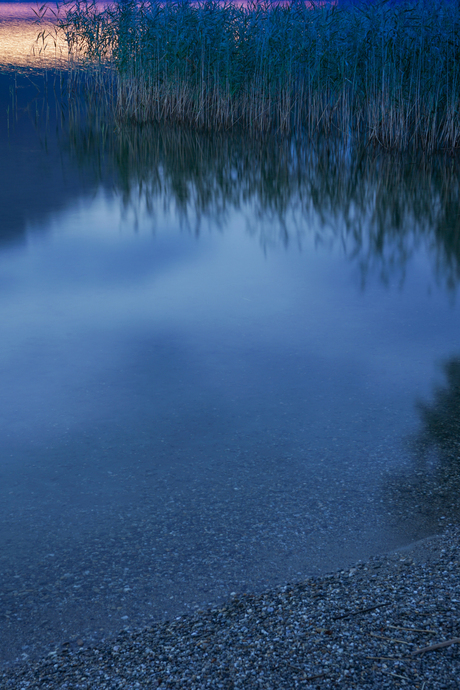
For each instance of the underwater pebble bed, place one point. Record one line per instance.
(366, 626)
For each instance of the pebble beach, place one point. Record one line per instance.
(390, 622)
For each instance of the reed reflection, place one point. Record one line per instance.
(441, 418)
(427, 493)
(379, 208)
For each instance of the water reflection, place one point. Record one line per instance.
(380, 209)
(37, 177)
(441, 418)
(426, 495)
(197, 397)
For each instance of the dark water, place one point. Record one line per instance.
(224, 364)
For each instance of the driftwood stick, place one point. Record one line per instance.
(396, 675)
(393, 658)
(388, 639)
(398, 627)
(439, 645)
(358, 613)
(318, 675)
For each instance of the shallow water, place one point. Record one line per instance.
(214, 359)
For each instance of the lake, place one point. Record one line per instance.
(225, 363)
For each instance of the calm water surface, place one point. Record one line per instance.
(224, 365)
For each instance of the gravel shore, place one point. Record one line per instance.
(364, 627)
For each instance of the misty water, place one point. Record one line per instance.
(225, 364)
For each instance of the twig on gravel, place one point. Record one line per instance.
(394, 658)
(439, 645)
(396, 675)
(388, 639)
(319, 675)
(357, 613)
(398, 627)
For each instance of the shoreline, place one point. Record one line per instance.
(360, 627)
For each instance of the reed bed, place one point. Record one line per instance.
(385, 72)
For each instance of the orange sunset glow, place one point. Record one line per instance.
(19, 45)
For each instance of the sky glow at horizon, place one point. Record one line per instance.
(19, 43)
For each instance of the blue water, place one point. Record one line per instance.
(208, 386)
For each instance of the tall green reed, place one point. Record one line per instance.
(386, 73)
